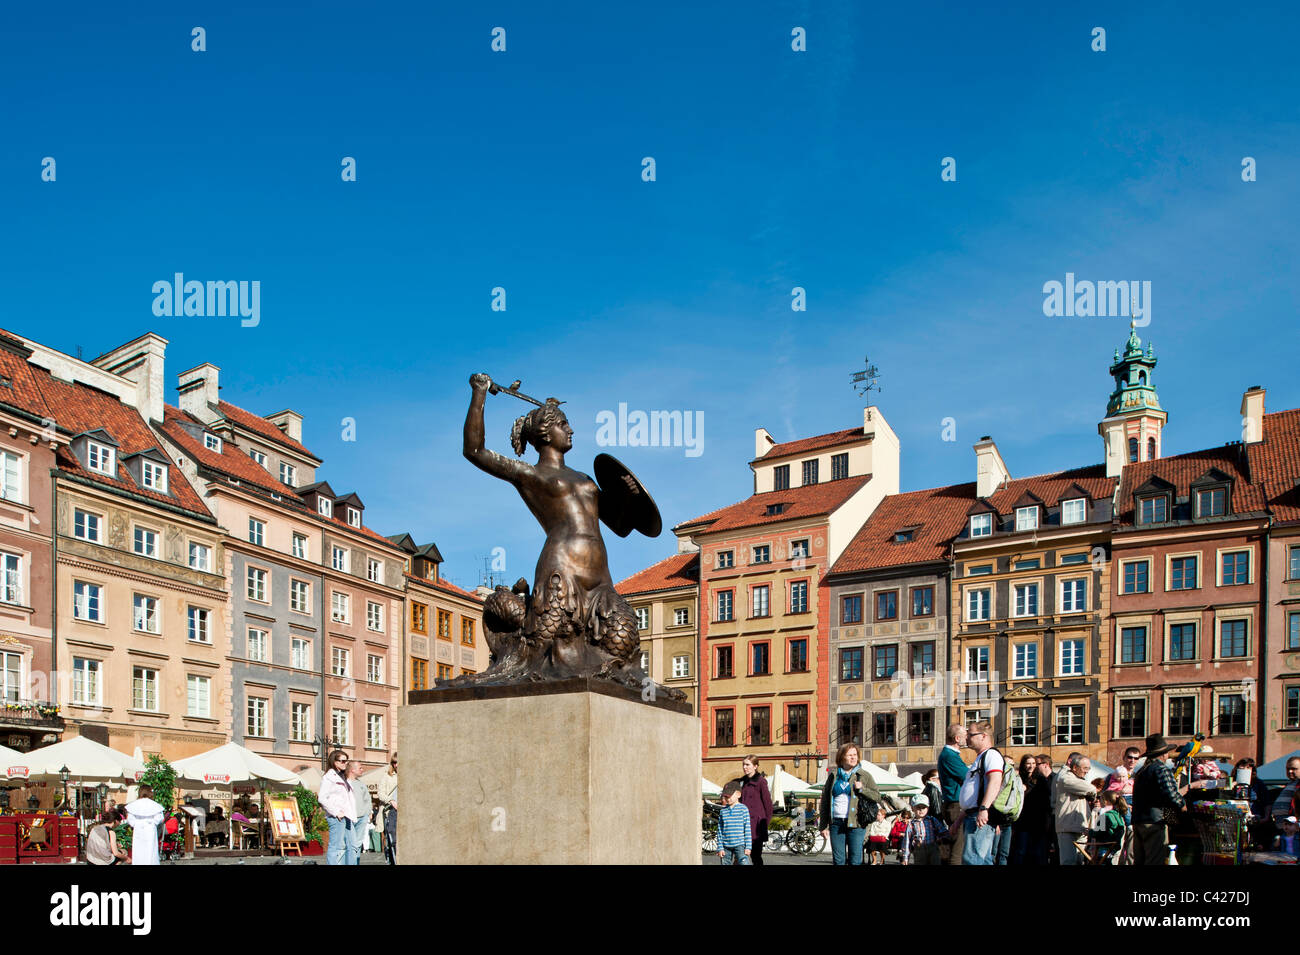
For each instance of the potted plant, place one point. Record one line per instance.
(314, 825)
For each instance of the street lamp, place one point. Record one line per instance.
(102, 792)
(64, 773)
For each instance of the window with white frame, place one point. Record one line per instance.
(257, 456)
(85, 681)
(340, 661)
(212, 442)
(146, 613)
(288, 474)
(354, 517)
(155, 476)
(99, 457)
(146, 542)
(1074, 511)
(11, 677)
(1024, 725)
(257, 716)
(258, 645)
(681, 666)
(374, 731)
(799, 596)
(300, 546)
(1026, 600)
(1153, 510)
(200, 556)
(1071, 658)
(325, 506)
(299, 596)
(256, 531)
(257, 584)
(374, 570)
(1212, 502)
(11, 477)
(643, 618)
(374, 616)
(374, 668)
(198, 695)
(340, 607)
(1027, 518)
(11, 578)
(681, 617)
(726, 610)
(978, 604)
(760, 601)
(300, 653)
(981, 525)
(87, 601)
(977, 664)
(199, 620)
(144, 689)
(1025, 661)
(300, 722)
(87, 526)
(339, 558)
(1074, 596)
(340, 721)
(1069, 724)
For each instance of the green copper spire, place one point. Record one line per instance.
(1134, 388)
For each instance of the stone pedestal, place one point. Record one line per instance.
(571, 773)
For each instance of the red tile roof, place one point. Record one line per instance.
(938, 514)
(815, 443)
(812, 500)
(259, 425)
(446, 585)
(230, 460)
(1181, 470)
(1052, 488)
(78, 408)
(25, 393)
(680, 570)
(1276, 461)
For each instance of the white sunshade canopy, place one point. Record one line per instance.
(311, 778)
(230, 764)
(784, 784)
(84, 758)
(710, 789)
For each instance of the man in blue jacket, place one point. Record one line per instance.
(952, 772)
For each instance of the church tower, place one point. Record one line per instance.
(1134, 418)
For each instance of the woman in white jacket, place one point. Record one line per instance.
(340, 808)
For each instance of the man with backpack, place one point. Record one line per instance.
(1073, 795)
(982, 811)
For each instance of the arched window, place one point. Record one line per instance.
(1132, 450)
(1151, 449)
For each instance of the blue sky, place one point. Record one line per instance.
(775, 169)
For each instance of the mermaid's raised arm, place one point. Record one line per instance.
(498, 465)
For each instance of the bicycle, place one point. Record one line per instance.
(805, 841)
(710, 840)
(775, 840)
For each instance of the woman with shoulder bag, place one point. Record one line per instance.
(850, 803)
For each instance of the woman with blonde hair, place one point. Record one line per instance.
(850, 803)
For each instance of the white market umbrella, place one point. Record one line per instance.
(310, 778)
(709, 789)
(785, 785)
(887, 781)
(230, 764)
(914, 779)
(84, 758)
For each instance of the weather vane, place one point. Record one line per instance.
(866, 380)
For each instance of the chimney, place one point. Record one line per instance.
(990, 471)
(1252, 415)
(763, 442)
(141, 363)
(199, 387)
(290, 422)
(687, 545)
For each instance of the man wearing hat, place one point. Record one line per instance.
(1154, 791)
(922, 835)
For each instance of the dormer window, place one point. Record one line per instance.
(903, 536)
(981, 525)
(154, 476)
(774, 509)
(1153, 510)
(1074, 511)
(257, 456)
(1027, 518)
(810, 472)
(325, 506)
(288, 474)
(354, 517)
(1212, 502)
(99, 457)
(212, 442)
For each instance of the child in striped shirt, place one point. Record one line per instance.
(733, 828)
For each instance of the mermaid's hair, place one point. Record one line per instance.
(534, 427)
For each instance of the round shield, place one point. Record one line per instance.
(625, 506)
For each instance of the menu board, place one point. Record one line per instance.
(286, 823)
